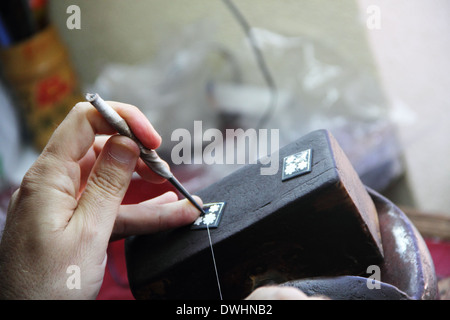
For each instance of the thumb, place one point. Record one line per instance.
(108, 183)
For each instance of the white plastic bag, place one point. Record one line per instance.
(197, 78)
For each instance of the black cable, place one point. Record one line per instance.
(259, 59)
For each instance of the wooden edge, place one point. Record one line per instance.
(436, 225)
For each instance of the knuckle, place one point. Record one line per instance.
(31, 180)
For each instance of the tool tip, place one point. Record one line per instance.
(196, 205)
(91, 96)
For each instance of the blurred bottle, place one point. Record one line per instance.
(36, 66)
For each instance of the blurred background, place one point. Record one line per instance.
(373, 72)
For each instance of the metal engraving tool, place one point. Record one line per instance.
(149, 156)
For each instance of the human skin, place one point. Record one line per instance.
(68, 208)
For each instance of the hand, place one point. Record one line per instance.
(68, 207)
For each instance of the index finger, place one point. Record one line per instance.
(139, 124)
(76, 134)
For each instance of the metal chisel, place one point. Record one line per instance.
(149, 156)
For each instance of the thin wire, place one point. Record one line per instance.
(272, 104)
(214, 261)
(259, 59)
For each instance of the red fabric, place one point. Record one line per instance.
(440, 251)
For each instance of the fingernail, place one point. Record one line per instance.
(122, 150)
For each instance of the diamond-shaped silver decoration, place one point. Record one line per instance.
(297, 164)
(212, 217)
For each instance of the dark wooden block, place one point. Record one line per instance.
(272, 231)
